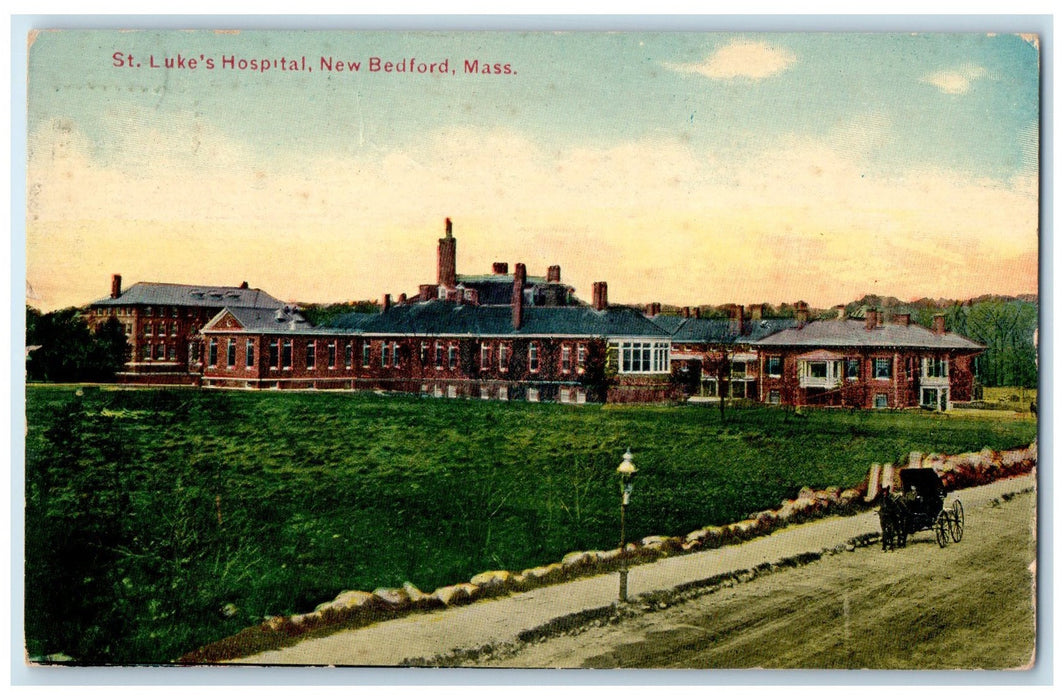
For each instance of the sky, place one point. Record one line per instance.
(684, 168)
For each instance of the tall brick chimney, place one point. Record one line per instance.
(116, 286)
(840, 312)
(939, 326)
(801, 313)
(687, 312)
(697, 311)
(871, 320)
(517, 299)
(445, 258)
(599, 298)
(902, 319)
(737, 317)
(554, 273)
(386, 303)
(500, 268)
(402, 298)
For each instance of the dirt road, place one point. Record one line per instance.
(967, 606)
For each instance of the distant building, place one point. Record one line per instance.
(494, 336)
(513, 336)
(867, 364)
(163, 322)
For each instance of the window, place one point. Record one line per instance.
(485, 391)
(173, 312)
(774, 365)
(738, 370)
(331, 348)
(424, 353)
(646, 357)
(286, 354)
(581, 357)
(504, 393)
(936, 367)
(881, 401)
(171, 353)
(881, 369)
(564, 395)
(365, 353)
(173, 329)
(818, 370)
(395, 354)
(485, 356)
(149, 329)
(275, 347)
(452, 357)
(212, 354)
(452, 391)
(147, 311)
(533, 394)
(567, 359)
(439, 355)
(774, 396)
(311, 352)
(249, 353)
(385, 355)
(533, 359)
(230, 354)
(853, 367)
(504, 357)
(349, 355)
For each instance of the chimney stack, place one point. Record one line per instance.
(402, 298)
(500, 268)
(386, 303)
(871, 320)
(517, 300)
(445, 259)
(901, 319)
(939, 327)
(598, 295)
(687, 312)
(698, 312)
(801, 313)
(737, 318)
(840, 312)
(554, 273)
(116, 286)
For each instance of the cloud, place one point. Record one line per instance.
(955, 82)
(755, 60)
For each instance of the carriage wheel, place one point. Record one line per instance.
(942, 529)
(957, 520)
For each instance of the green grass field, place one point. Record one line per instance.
(159, 520)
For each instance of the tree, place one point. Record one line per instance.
(69, 351)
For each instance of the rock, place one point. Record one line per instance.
(457, 594)
(275, 624)
(696, 536)
(549, 572)
(393, 597)
(575, 559)
(349, 600)
(492, 580)
(849, 496)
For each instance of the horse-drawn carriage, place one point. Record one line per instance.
(919, 506)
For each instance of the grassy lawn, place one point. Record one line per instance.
(159, 520)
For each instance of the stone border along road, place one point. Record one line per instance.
(446, 637)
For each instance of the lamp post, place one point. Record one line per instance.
(627, 472)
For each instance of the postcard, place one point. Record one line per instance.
(636, 349)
